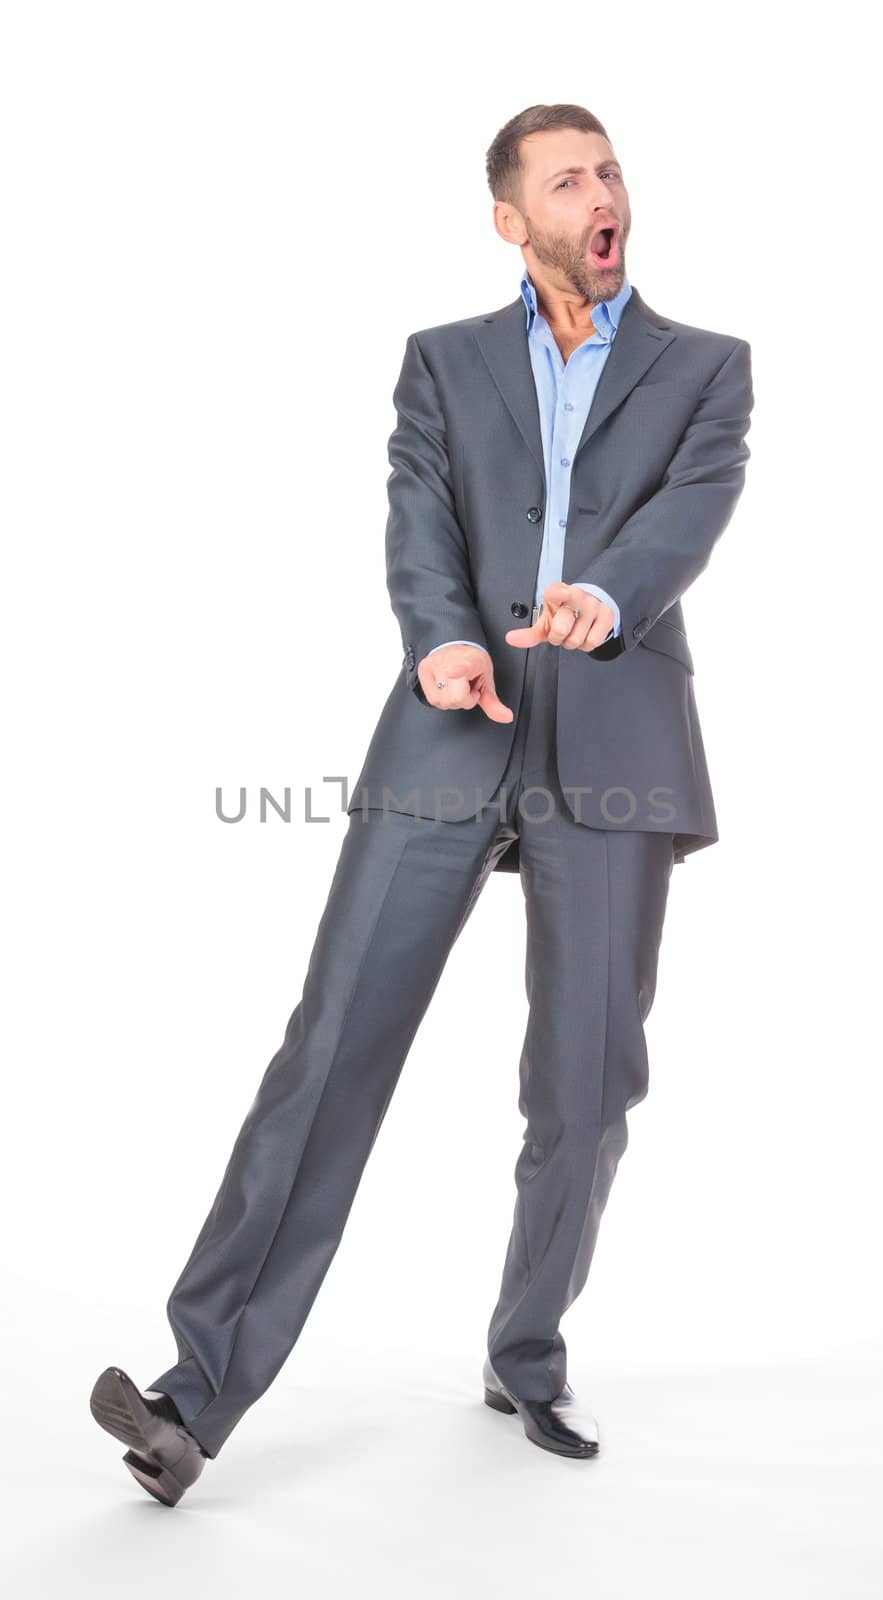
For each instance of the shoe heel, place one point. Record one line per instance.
(498, 1402)
(153, 1477)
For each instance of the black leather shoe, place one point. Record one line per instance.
(163, 1456)
(560, 1424)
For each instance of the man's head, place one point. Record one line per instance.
(556, 184)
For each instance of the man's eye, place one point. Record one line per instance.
(609, 173)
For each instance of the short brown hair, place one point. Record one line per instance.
(505, 169)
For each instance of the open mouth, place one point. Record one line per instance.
(604, 247)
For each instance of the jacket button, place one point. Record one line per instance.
(518, 608)
(534, 513)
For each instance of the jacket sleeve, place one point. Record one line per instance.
(427, 561)
(667, 542)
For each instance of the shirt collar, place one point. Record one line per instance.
(605, 315)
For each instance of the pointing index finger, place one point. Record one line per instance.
(524, 637)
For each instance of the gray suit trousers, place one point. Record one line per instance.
(402, 891)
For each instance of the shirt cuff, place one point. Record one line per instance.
(453, 641)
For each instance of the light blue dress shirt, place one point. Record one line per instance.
(564, 394)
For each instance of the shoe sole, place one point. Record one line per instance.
(116, 1406)
(499, 1402)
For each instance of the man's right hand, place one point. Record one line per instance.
(468, 677)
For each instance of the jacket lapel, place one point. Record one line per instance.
(502, 338)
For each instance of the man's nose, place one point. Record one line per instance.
(600, 206)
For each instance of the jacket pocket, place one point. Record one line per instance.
(670, 640)
(662, 387)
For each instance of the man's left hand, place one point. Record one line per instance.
(557, 623)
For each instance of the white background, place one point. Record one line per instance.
(222, 221)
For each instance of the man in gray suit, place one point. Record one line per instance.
(565, 464)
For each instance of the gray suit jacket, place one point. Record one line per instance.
(654, 481)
